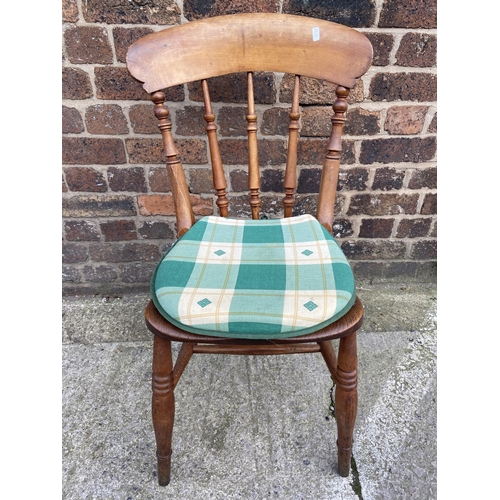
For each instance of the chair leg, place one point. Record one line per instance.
(346, 400)
(163, 406)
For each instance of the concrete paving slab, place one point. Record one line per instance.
(250, 427)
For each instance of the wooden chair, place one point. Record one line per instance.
(249, 313)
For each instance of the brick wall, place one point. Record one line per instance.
(117, 208)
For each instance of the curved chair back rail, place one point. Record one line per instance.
(240, 42)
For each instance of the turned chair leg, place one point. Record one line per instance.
(163, 406)
(346, 400)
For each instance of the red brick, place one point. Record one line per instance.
(200, 180)
(312, 151)
(353, 179)
(355, 13)
(143, 120)
(125, 37)
(233, 88)
(429, 207)
(376, 228)
(118, 83)
(417, 50)
(403, 86)
(360, 121)
(69, 11)
(402, 149)
(383, 204)
(316, 121)
(124, 252)
(127, 179)
(382, 45)
(98, 206)
(413, 228)
(190, 121)
(191, 151)
(106, 119)
(194, 9)
(159, 180)
(85, 179)
(163, 204)
(342, 228)
(424, 249)
(433, 125)
(235, 151)
(156, 230)
(75, 84)
(88, 45)
(88, 150)
(119, 230)
(408, 14)
(232, 121)
(405, 120)
(387, 179)
(275, 121)
(81, 230)
(425, 178)
(163, 12)
(72, 122)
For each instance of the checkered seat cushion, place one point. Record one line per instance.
(255, 279)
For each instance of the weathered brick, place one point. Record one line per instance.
(271, 206)
(64, 186)
(143, 120)
(433, 125)
(275, 121)
(353, 179)
(191, 151)
(424, 249)
(405, 120)
(309, 180)
(316, 121)
(312, 151)
(72, 122)
(238, 179)
(354, 13)
(99, 274)
(433, 231)
(81, 230)
(413, 228)
(425, 178)
(408, 14)
(156, 230)
(75, 84)
(387, 179)
(376, 228)
(127, 179)
(382, 45)
(156, 204)
(200, 180)
(232, 121)
(383, 204)
(98, 206)
(429, 206)
(272, 180)
(235, 151)
(71, 275)
(360, 121)
(367, 271)
(159, 181)
(342, 228)
(403, 86)
(124, 252)
(88, 45)
(118, 83)
(125, 37)
(106, 119)
(233, 88)
(85, 179)
(89, 150)
(73, 253)
(314, 91)
(119, 230)
(306, 204)
(194, 9)
(374, 250)
(417, 50)
(136, 272)
(402, 149)
(69, 11)
(190, 121)
(126, 12)
(408, 269)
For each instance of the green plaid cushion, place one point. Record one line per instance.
(257, 279)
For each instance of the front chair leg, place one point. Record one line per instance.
(163, 406)
(346, 400)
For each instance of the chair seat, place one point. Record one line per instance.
(254, 279)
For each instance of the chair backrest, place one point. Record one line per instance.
(237, 43)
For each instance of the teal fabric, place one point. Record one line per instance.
(256, 279)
